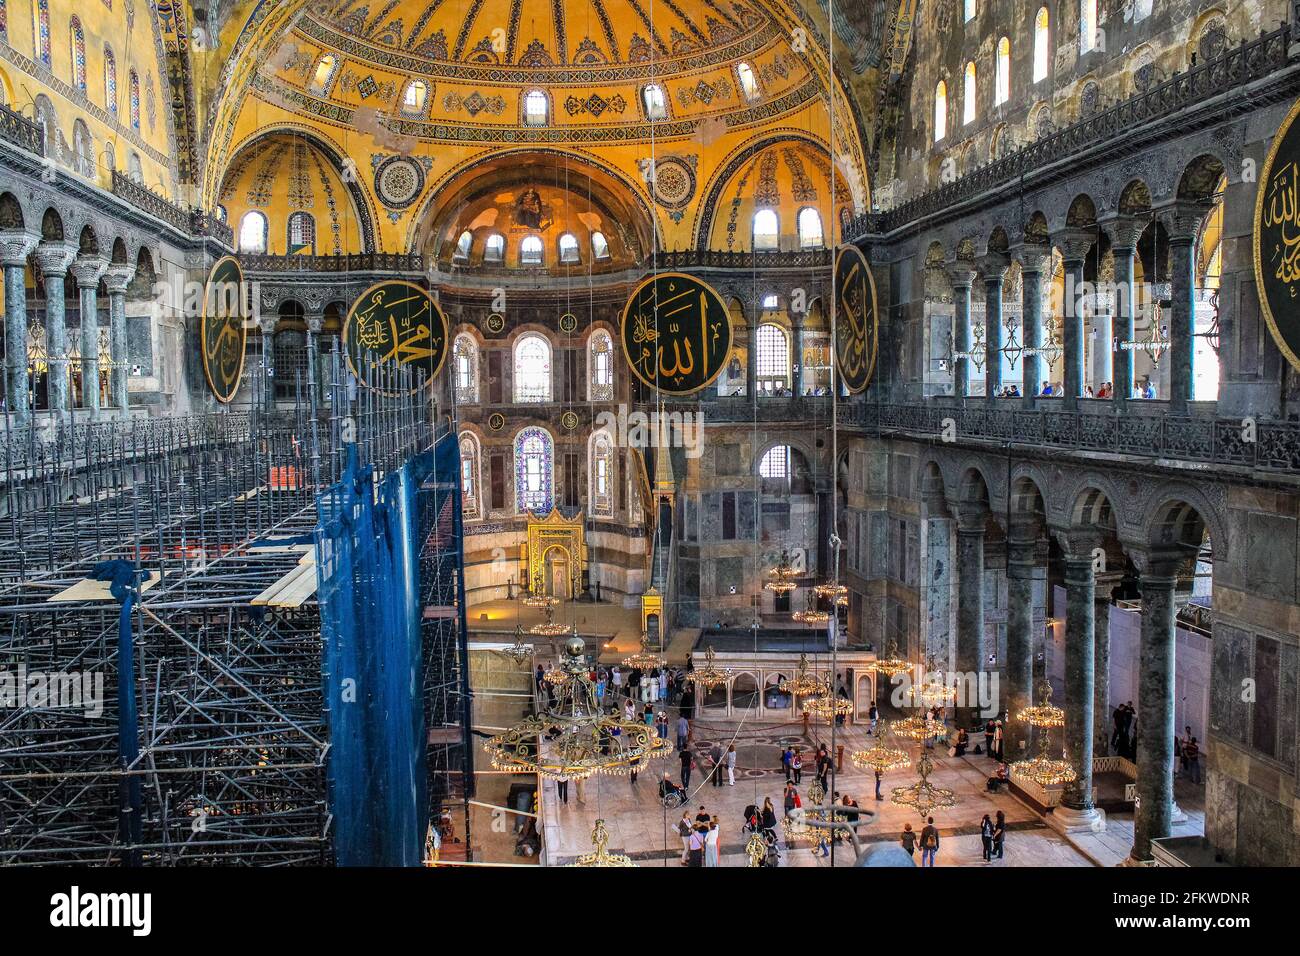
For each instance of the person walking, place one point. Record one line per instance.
(684, 828)
(986, 837)
(787, 756)
(683, 731)
(988, 738)
(711, 840)
(873, 715)
(688, 762)
(1192, 754)
(823, 768)
(769, 817)
(697, 840)
(929, 842)
(999, 833)
(731, 765)
(791, 800)
(796, 765)
(879, 776)
(997, 740)
(715, 773)
(908, 839)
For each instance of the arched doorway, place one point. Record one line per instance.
(556, 574)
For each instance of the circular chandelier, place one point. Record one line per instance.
(919, 728)
(572, 739)
(933, 691)
(832, 591)
(550, 627)
(804, 683)
(923, 796)
(780, 579)
(709, 677)
(891, 664)
(1043, 714)
(537, 599)
(1043, 770)
(601, 856)
(813, 614)
(880, 757)
(795, 826)
(827, 707)
(555, 676)
(519, 652)
(644, 659)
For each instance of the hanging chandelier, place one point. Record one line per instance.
(804, 683)
(923, 796)
(572, 739)
(644, 659)
(1043, 714)
(919, 728)
(537, 600)
(756, 850)
(1043, 770)
(830, 590)
(550, 627)
(881, 757)
(812, 615)
(828, 707)
(709, 677)
(555, 676)
(891, 664)
(519, 652)
(601, 856)
(933, 690)
(780, 579)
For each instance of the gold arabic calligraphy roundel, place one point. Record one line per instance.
(676, 333)
(1277, 238)
(856, 319)
(394, 326)
(222, 333)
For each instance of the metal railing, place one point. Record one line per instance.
(192, 222)
(22, 132)
(355, 262)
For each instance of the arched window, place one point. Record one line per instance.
(110, 81)
(969, 10)
(771, 301)
(599, 245)
(530, 251)
(302, 233)
(41, 30)
(134, 91)
(776, 463)
(415, 98)
(810, 228)
(494, 250)
(748, 83)
(656, 107)
(532, 369)
(773, 358)
(136, 172)
(568, 248)
(766, 230)
(968, 95)
(252, 229)
(221, 212)
(1087, 25)
(463, 246)
(1041, 47)
(536, 108)
(600, 367)
(323, 75)
(83, 149)
(464, 370)
(601, 474)
(77, 46)
(1002, 93)
(940, 110)
(534, 464)
(470, 491)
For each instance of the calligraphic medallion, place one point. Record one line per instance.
(568, 322)
(495, 323)
(496, 421)
(394, 325)
(676, 333)
(223, 333)
(1277, 238)
(569, 420)
(857, 323)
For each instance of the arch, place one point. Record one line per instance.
(974, 489)
(110, 80)
(88, 241)
(532, 368)
(600, 366)
(809, 224)
(77, 52)
(567, 248)
(464, 245)
(654, 102)
(968, 93)
(1176, 523)
(1042, 44)
(464, 369)
(1082, 211)
(767, 231)
(772, 363)
(1200, 178)
(83, 148)
(494, 248)
(534, 470)
(535, 108)
(1027, 499)
(471, 491)
(301, 233)
(531, 251)
(599, 245)
(748, 82)
(415, 98)
(940, 110)
(253, 232)
(600, 474)
(11, 212)
(745, 692)
(1135, 198)
(1002, 72)
(51, 225)
(119, 254)
(322, 77)
(1092, 508)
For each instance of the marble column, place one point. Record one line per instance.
(962, 276)
(1022, 547)
(994, 267)
(1077, 811)
(88, 270)
(970, 606)
(1153, 817)
(1034, 261)
(1074, 245)
(1105, 584)
(1124, 233)
(116, 279)
(1182, 221)
(797, 377)
(267, 324)
(15, 246)
(54, 257)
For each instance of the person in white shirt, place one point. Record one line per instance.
(730, 761)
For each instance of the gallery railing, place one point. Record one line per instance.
(1234, 68)
(22, 132)
(1267, 445)
(355, 262)
(192, 222)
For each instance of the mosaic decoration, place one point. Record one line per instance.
(399, 180)
(594, 104)
(150, 104)
(676, 333)
(259, 190)
(802, 187)
(705, 93)
(78, 55)
(672, 181)
(301, 195)
(857, 321)
(43, 30)
(474, 104)
(1276, 237)
(223, 334)
(736, 201)
(765, 190)
(394, 322)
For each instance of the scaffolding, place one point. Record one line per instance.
(180, 551)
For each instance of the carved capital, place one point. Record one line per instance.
(1074, 243)
(117, 278)
(1124, 232)
(54, 257)
(1032, 257)
(87, 270)
(16, 245)
(315, 323)
(1182, 219)
(267, 324)
(961, 273)
(1158, 567)
(993, 266)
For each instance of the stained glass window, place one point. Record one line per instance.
(42, 31)
(110, 80)
(534, 467)
(77, 45)
(602, 367)
(134, 84)
(469, 475)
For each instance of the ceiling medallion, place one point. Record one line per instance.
(496, 323)
(569, 420)
(496, 421)
(399, 180)
(568, 322)
(671, 179)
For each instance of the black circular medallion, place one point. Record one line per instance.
(223, 333)
(856, 318)
(394, 325)
(1277, 238)
(676, 333)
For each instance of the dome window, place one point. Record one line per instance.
(530, 251)
(810, 228)
(323, 75)
(599, 245)
(748, 82)
(415, 98)
(463, 245)
(252, 232)
(656, 106)
(568, 248)
(495, 248)
(766, 231)
(536, 108)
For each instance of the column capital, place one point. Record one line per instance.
(993, 266)
(1123, 231)
(315, 323)
(16, 245)
(1079, 545)
(1159, 567)
(87, 270)
(267, 324)
(117, 278)
(1182, 218)
(971, 520)
(1074, 243)
(961, 273)
(1033, 257)
(54, 257)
